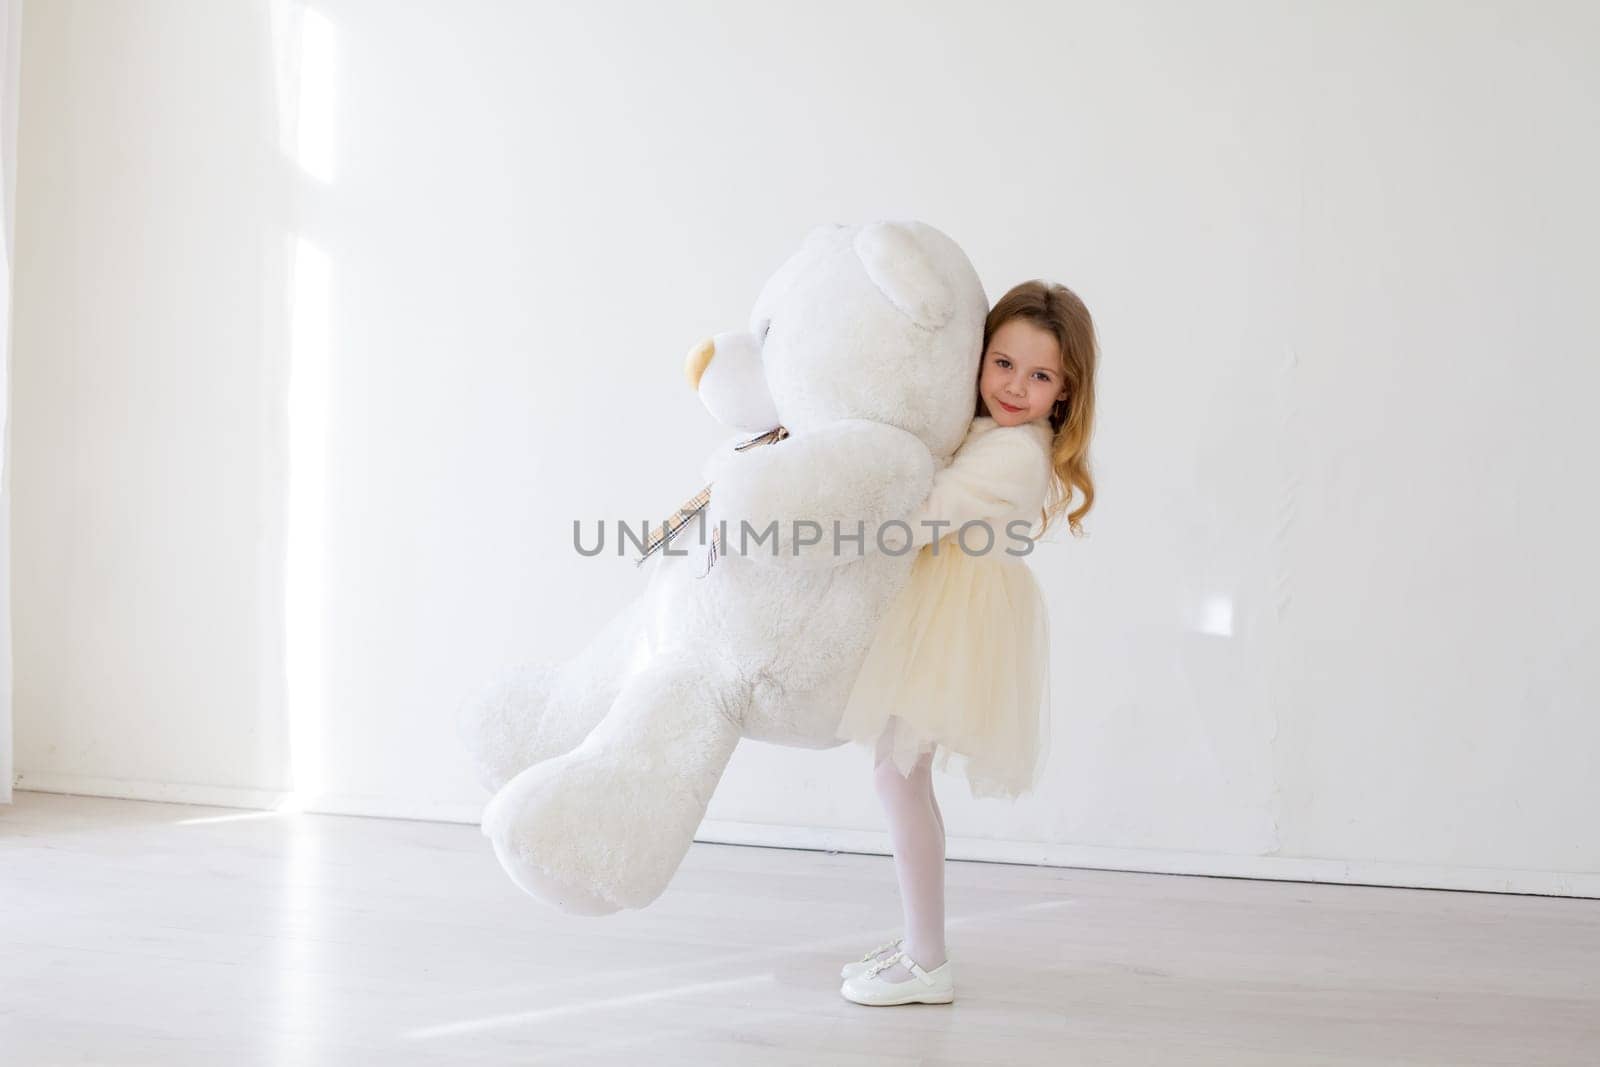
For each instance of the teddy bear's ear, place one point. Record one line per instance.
(820, 233)
(900, 266)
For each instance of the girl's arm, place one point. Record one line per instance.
(1001, 475)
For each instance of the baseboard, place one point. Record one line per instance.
(222, 796)
(1169, 861)
(876, 842)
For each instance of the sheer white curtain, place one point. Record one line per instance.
(10, 56)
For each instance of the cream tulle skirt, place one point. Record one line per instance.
(960, 665)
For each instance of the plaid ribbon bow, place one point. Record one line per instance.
(695, 504)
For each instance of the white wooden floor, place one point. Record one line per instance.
(140, 933)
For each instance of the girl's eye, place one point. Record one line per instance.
(1003, 361)
(1042, 376)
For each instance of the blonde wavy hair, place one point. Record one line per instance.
(1057, 310)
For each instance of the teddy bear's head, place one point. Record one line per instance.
(881, 322)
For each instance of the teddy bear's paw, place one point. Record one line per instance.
(565, 835)
(606, 825)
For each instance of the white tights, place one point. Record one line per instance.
(916, 830)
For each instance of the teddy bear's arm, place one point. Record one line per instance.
(850, 475)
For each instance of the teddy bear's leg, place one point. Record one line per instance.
(540, 710)
(604, 826)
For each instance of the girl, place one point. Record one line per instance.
(960, 664)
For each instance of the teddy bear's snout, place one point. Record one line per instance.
(699, 359)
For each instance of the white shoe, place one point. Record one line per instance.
(850, 970)
(923, 987)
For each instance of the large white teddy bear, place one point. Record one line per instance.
(864, 346)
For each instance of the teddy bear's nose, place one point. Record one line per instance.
(699, 358)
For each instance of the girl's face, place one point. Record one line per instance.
(1022, 374)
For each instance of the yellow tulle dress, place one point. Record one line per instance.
(960, 664)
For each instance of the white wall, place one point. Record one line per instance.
(328, 325)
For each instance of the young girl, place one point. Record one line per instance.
(960, 663)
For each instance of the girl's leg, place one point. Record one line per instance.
(917, 834)
(933, 798)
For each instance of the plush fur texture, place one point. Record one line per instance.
(865, 344)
